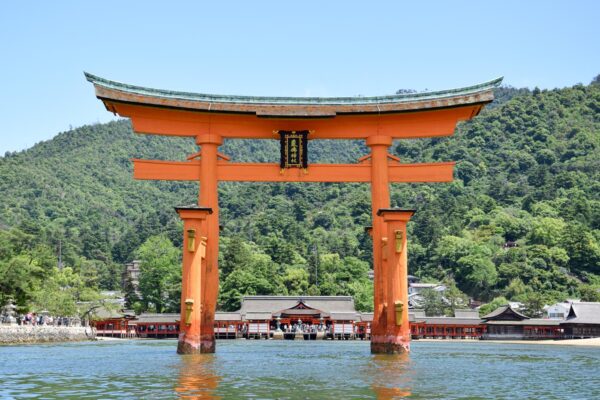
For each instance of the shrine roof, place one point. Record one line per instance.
(466, 313)
(366, 317)
(227, 316)
(584, 313)
(273, 304)
(527, 322)
(158, 318)
(506, 313)
(449, 321)
(111, 91)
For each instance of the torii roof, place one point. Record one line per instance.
(110, 91)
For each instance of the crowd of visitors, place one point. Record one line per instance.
(41, 319)
(304, 328)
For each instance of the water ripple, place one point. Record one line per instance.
(298, 370)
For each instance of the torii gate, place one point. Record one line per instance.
(292, 120)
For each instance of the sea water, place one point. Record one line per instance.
(150, 369)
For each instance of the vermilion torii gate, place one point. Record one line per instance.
(212, 118)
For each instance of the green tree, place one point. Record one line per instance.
(515, 289)
(583, 249)
(479, 274)
(492, 305)
(433, 303)
(362, 292)
(19, 277)
(589, 293)
(242, 282)
(160, 274)
(455, 298)
(60, 292)
(237, 254)
(296, 281)
(533, 303)
(547, 231)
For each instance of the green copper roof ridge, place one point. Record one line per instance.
(396, 98)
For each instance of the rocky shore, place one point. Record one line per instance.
(44, 334)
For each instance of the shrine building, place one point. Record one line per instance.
(292, 318)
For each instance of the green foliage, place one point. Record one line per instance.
(527, 173)
(61, 290)
(455, 298)
(492, 305)
(30, 277)
(160, 274)
(589, 293)
(436, 303)
(433, 303)
(249, 271)
(533, 304)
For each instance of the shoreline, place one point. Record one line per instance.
(44, 334)
(592, 342)
(44, 339)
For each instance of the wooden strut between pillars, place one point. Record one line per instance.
(263, 172)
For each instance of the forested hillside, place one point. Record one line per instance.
(520, 221)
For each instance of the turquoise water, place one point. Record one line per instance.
(299, 370)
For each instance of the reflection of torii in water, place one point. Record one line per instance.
(375, 120)
(197, 378)
(391, 376)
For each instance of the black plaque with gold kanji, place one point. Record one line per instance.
(294, 149)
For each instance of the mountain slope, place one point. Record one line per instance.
(527, 172)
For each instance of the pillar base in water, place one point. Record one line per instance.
(398, 346)
(187, 345)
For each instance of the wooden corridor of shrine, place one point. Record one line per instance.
(293, 120)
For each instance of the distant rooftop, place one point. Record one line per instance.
(505, 313)
(584, 313)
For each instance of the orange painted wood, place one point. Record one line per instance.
(193, 278)
(264, 172)
(208, 197)
(414, 124)
(380, 198)
(395, 279)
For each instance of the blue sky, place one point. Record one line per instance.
(307, 48)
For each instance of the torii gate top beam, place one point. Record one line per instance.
(410, 115)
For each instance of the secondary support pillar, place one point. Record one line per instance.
(195, 253)
(395, 274)
(380, 198)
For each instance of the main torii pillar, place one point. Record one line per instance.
(211, 118)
